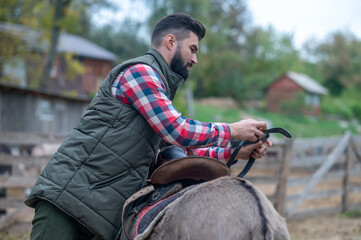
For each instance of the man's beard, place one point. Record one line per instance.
(177, 65)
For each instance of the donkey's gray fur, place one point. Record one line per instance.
(225, 208)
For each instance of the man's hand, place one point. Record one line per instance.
(256, 150)
(248, 129)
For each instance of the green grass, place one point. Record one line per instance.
(299, 126)
(351, 214)
(214, 114)
(305, 126)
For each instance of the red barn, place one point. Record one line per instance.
(79, 68)
(95, 60)
(286, 88)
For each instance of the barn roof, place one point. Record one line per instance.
(4, 87)
(83, 47)
(67, 42)
(307, 83)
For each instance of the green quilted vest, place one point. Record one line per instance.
(105, 158)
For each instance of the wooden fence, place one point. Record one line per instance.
(334, 183)
(306, 177)
(18, 172)
(299, 175)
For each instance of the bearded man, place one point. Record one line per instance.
(106, 157)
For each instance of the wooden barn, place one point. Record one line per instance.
(23, 110)
(289, 86)
(79, 68)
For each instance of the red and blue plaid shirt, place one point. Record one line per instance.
(141, 87)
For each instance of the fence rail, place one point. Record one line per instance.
(306, 173)
(19, 172)
(29, 138)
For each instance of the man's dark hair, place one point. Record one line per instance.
(178, 24)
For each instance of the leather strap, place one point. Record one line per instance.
(246, 168)
(234, 154)
(240, 144)
(142, 192)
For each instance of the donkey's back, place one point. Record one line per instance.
(225, 208)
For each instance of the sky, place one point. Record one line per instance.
(305, 19)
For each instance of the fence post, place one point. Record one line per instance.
(355, 149)
(320, 173)
(346, 180)
(190, 102)
(281, 190)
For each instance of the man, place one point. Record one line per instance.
(106, 157)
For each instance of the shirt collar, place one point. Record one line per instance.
(173, 79)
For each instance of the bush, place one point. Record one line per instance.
(356, 109)
(336, 107)
(180, 101)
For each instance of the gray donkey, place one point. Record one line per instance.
(225, 208)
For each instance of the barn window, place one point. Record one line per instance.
(44, 110)
(15, 69)
(312, 99)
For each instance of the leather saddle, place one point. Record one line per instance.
(174, 164)
(172, 171)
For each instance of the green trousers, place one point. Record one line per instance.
(50, 223)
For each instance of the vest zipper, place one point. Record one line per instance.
(109, 181)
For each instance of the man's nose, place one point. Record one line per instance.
(194, 58)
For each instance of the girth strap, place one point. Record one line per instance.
(141, 193)
(146, 196)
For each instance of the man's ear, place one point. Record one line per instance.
(170, 41)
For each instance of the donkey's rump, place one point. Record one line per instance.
(225, 208)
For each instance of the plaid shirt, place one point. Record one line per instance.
(141, 87)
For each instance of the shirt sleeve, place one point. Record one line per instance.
(143, 88)
(214, 152)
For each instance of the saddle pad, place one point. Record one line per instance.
(148, 216)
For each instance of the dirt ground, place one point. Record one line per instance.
(331, 227)
(324, 227)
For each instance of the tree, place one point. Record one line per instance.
(59, 23)
(50, 18)
(17, 11)
(237, 59)
(219, 52)
(198, 10)
(339, 59)
(60, 7)
(123, 39)
(220, 73)
(266, 54)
